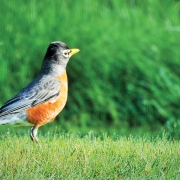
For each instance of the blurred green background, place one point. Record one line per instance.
(124, 80)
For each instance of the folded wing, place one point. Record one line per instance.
(39, 91)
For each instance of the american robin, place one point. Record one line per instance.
(45, 97)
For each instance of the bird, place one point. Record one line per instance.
(44, 98)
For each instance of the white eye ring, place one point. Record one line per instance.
(66, 53)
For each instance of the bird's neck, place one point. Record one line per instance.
(53, 69)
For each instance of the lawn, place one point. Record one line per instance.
(70, 156)
(124, 82)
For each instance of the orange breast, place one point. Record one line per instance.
(46, 112)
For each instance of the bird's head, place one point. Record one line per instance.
(57, 56)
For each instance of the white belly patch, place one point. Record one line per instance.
(15, 119)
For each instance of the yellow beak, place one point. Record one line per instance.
(73, 51)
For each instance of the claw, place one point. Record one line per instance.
(33, 133)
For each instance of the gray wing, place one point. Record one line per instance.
(37, 92)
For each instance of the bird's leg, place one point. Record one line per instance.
(33, 133)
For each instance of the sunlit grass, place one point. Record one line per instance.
(68, 156)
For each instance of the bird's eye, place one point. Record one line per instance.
(66, 54)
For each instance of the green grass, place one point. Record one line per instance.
(125, 80)
(68, 156)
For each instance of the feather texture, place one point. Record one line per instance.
(42, 89)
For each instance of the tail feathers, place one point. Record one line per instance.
(11, 119)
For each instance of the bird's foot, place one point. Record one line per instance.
(33, 134)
